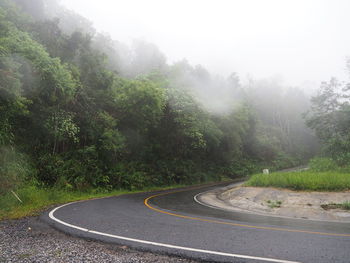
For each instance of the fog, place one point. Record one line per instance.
(300, 42)
(151, 93)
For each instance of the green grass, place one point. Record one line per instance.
(35, 199)
(274, 204)
(345, 205)
(303, 181)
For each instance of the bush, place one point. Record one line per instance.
(14, 169)
(50, 168)
(239, 168)
(128, 176)
(283, 161)
(80, 169)
(339, 149)
(84, 169)
(322, 164)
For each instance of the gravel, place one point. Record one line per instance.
(31, 240)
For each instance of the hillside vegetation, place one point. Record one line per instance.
(82, 113)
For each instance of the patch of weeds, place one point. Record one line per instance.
(330, 206)
(274, 204)
(344, 206)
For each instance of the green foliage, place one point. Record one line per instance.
(61, 127)
(322, 164)
(50, 168)
(330, 118)
(326, 164)
(90, 117)
(12, 103)
(140, 103)
(305, 181)
(80, 169)
(128, 176)
(55, 78)
(240, 168)
(282, 161)
(35, 199)
(14, 169)
(346, 205)
(185, 119)
(274, 204)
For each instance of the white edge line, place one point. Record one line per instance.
(216, 207)
(207, 205)
(51, 215)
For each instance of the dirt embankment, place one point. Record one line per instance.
(278, 202)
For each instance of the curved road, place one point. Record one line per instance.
(172, 222)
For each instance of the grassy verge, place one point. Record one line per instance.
(35, 199)
(304, 181)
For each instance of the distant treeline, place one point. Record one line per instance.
(79, 110)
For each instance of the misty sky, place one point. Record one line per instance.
(301, 41)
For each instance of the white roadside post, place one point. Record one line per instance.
(16, 196)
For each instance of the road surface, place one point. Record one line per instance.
(172, 222)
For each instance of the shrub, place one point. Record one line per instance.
(283, 161)
(14, 169)
(128, 176)
(50, 168)
(322, 164)
(80, 169)
(240, 167)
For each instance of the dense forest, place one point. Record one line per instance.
(79, 110)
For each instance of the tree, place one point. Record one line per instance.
(330, 118)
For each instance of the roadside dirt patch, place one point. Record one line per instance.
(278, 202)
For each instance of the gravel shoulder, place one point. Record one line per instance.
(31, 240)
(278, 202)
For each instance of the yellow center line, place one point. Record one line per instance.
(146, 202)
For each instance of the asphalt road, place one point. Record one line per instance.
(171, 222)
